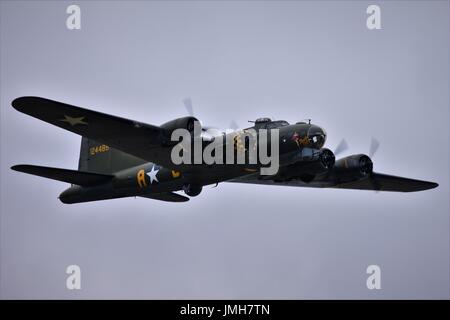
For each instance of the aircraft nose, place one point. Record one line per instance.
(314, 130)
(317, 136)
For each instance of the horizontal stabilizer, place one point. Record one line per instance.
(80, 178)
(167, 196)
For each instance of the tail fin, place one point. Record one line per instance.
(71, 176)
(100, 158)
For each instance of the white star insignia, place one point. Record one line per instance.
(152, 174)
(73, 121)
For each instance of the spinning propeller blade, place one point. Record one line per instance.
(341, 147)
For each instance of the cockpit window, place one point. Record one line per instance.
(317, 141)
(282, 123)
(316, 137)
(276, 124)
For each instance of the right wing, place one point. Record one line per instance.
(136, 138)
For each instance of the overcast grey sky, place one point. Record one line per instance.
(237, 60)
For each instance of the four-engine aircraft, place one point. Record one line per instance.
(126, 158)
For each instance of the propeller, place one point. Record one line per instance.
(190, 110)
(341, 147)
(374, 145)
(233, 125)
(188, 105)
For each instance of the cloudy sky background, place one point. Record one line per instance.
(237, 60)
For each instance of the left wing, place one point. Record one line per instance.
(142, 140)
(376, 181)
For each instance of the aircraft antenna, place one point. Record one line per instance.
(309, 120)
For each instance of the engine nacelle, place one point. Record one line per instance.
(326, 158)
(180, 123)
(353, 167)
(322, 160)
(317, 163)
(192, 190)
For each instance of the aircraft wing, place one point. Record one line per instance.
(136, 138)
(376, 182)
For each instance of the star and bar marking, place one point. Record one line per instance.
(73, 121)
(152, 174)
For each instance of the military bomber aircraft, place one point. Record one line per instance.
(126, 158)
